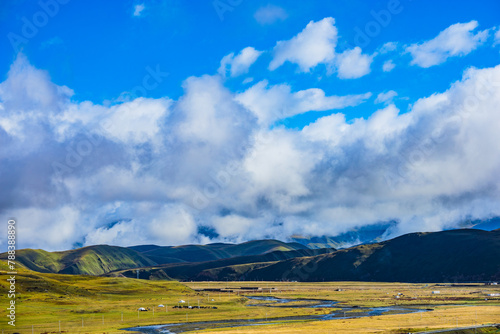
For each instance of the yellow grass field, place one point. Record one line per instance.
(86, 304)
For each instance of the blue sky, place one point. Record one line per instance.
(101, 50)
(329, 83)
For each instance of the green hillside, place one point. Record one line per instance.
(448, 256)
(48, 285)
(205, 270)
(92, 260)
(102, 259)
(456, 255)
(212, 252)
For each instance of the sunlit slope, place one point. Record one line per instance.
(211, 252)
(209, 270)
(92, 260)
(102, 259)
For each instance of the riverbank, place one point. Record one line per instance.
(86, 304)
(334, 311)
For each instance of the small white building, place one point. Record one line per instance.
(161, 305)
(436, 292)
(182, 301)
(493, 295)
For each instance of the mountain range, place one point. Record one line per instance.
(102, 259)
(448, 256)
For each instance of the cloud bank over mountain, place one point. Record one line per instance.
(166, 171)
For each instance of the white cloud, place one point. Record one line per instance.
(352, 64)
(47, 228)
(138, 9)
(138, 121)
(208, 114)
(29, 89)
(270, 14)
(456, 40)
(388, 47)
(497, 37)
(170, 225)
(278, 169)
(277, 102)
(315, 45)
(239, 64)
(388, 65)
(233, 226)
(210, 158)
(312, 46)
(386, 97)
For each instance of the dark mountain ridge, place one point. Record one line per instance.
(448, 256)
(202, 270)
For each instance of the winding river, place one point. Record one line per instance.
(338, 312)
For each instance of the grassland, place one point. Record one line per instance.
(455, 306)
(45, 299)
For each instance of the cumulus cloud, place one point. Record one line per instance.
(316, 45)
(169, 225)
(422, 158)
(52, 228)
(270, 14)
(279, 168)
(239, 64)
(312, 46)
(137, 121)
(352, 64)
(271, 103)
(457, 40)
(159, 170)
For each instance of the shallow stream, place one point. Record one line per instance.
(338, 312)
